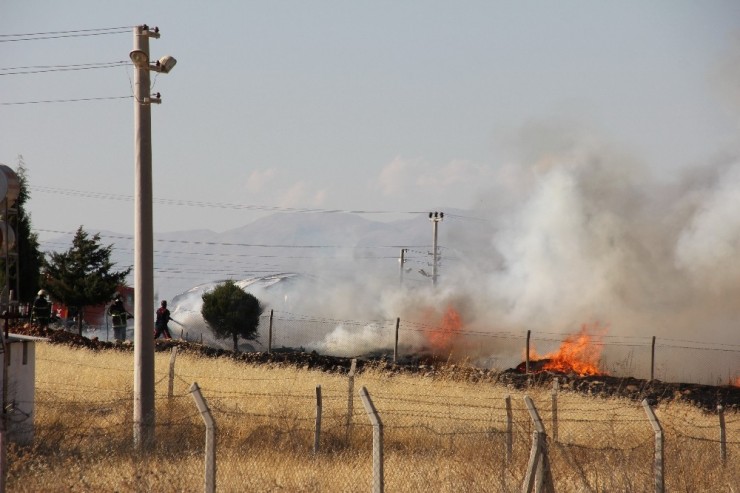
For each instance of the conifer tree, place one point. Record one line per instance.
(83, 275)
(27, 266)
(30, 258)
(232, 312)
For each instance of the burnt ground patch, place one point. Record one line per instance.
(706, 397)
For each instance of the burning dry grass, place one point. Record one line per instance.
(440, 435)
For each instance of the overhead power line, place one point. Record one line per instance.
(459, 216)
(9, 38)
(68, 32)
(42, 69)
(216, 205)
(221, 205)
(218, 243)
(65, 100)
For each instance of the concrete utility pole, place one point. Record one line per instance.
(435, 217)
(143, 235)
(403, 261)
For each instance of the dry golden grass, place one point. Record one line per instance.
(440, 435)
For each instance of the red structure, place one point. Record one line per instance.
(93, 315)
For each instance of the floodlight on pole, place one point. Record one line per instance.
(144, 238)
(140, 58)
(164, 65)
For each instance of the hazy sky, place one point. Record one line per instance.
(375, 106)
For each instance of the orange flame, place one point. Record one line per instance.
(736, 382)
(442, 335)
(579, 353)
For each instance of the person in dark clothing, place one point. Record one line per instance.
(160, 324)
(119, 316)
(41, 312)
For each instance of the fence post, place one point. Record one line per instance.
(658, 461)
(395, 344)
(372, 413)
(5, 361)
(317, 433)
(269, 335)
(3, 451)
(538, 470)
(722, 435)
(210, 476)
(554, 396)
(171, 385)
(526, 356)
(350, 397)
(509, 429)
(652, 361)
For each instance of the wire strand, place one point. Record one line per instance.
(67, 32)
(217, 205)
(9, 38)
(66, 100)
(64, 68)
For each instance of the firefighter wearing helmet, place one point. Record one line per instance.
(41, 311)
(119, 316)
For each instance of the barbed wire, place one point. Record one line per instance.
(644, 443)
(68, 386)
(85, 365)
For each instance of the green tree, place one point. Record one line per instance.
(30, 258)
(83, 275)
(232, 312)
(27, 267)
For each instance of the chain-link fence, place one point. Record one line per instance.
(668, 360)
(646, 357)
(275, 431)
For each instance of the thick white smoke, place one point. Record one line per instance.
(707, 247)
(583, 236)
(576, 233)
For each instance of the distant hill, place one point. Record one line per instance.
(308, 243)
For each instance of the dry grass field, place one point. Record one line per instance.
(441, 435)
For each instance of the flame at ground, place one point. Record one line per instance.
(443, 334)
(736, 382)
(579, 353)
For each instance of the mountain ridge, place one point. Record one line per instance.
(305, 242)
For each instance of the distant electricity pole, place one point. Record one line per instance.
(402, 260)
(143, 234)
(436, 218)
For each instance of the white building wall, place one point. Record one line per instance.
(20, 393)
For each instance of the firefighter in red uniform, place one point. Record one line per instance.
(160, 324)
